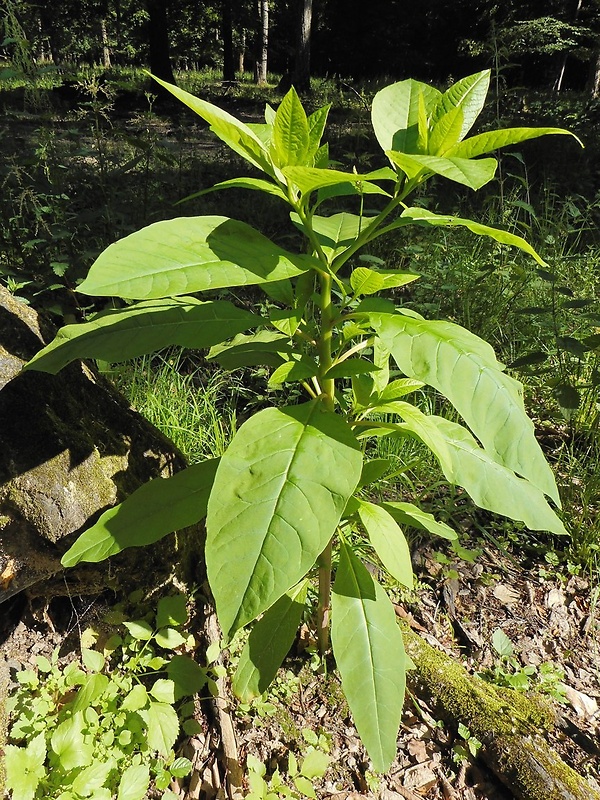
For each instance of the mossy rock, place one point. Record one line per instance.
(70, 447)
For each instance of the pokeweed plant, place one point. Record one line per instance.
(283, 501)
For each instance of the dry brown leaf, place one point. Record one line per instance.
(585, 706)
(505, 594)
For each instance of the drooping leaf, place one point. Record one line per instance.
(262, 347)
(189, 254)
(468, 95)
(256, 184)
(373, 470)
(279, 492)
(369, 281)
(409, 514)
(294, 370)
(464, 369)
(156, 509)
(349, 367)
(492, 485)
(395, 114)
(423, 217)
(268, 644)
(369, 652)
(144, 328)
(291, 138)
(388, 541)
(472, 173)
(239, 137)
(493, 140)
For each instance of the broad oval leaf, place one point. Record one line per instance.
(423, 217)
(369, 652)
(336, 232)
(163, 726)
(464, 369)
(156, 509)
(395, 114)
(144, 328)
(134, 782)
(279, 492)
(471, 173)
(268, 644)
(388, 541)
(189, 254)
(262, 347)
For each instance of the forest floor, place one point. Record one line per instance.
(551, 624)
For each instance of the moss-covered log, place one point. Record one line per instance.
(510, 725)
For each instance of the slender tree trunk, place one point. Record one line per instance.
(301, 76)
(563, 66)
(241, 53)
(261, 65)
(227, 35)
(105, 48)
(594, 83)
(158, 36)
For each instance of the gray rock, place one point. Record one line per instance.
(70, 447)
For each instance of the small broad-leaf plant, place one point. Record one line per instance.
(283, 502)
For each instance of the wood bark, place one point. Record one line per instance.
(158, 40)
(301, 75)
(261, 64)
(227, 36)
(512, 727)
(105, 46)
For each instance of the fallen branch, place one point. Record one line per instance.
(510, 725)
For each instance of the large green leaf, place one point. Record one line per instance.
(446, 132)
(468, 95)
(369, 652)
(262, 347)
(189, 254)
(279, 492)
(422, 216)
(464, 369)
(239, 137)
(491, 485)
(395, 114)
(134, 782)
(268, 644)
(336, 232)
(144, 328)
(492, 140)
(388, 541)
(471, 173)
(155, 509)
(163, 726)
(291, 137)
(316, 127)
(307, 179)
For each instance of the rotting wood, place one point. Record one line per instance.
(509, 724)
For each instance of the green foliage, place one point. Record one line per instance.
(288, 492)
(297, 781)
(106, 725)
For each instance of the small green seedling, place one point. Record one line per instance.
(105, 726)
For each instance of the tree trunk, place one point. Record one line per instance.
(510, 725)
(158, 36)
(227, 34)
(261, 64)
(301, 76)
(105, 48)
(595, 76)
(241, 54)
